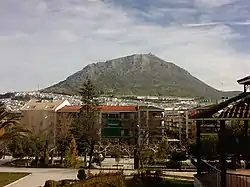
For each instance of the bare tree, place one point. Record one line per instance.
(63, 135)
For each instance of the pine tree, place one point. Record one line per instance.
(86, 125)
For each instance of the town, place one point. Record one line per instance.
(122, 133)
(124, 93)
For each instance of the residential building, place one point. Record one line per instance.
(151, 119)
(179, 126)
(120, 123)
(40, 116)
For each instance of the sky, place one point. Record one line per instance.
(44, 41)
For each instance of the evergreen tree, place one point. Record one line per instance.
(86, 125)
(163, 149)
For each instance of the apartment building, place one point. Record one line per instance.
(152, 123)
(179, 126)
(40, 116)
(121, 123)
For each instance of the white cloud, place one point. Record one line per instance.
(63, 38)
(212, 3)
(66, 35)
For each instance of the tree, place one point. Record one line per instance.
(176, 158)
(71, 156)
(117, 158)
(210, 146)
(86, 125)
(63, 135)
(10, 128)
(163, 149)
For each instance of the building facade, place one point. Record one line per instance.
(123, 123)
(40, 116)
(179, 126)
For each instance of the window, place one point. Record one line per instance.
(50, 107)
(113, 116)
(104, 115)
(31, 106)
(127, 115)
(126, 132)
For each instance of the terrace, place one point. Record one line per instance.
(222, 115)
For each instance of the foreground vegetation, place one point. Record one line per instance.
(145, 179)
(7, 178)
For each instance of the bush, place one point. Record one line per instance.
(104, 180)
(145, 180)
(71, 155)
(118, 157)
(159, 173)
(81, 174)
(172, 164)
(147, 156)
(50, 183)
(179, 156)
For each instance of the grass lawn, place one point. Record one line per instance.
(7, 178)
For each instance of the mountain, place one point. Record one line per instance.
(138, 74)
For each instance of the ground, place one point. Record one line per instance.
(8, 177)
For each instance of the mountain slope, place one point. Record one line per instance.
(139, 74)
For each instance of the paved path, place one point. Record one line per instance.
(39, 176)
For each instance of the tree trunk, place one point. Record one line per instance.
(36, 161)
(91, 154)
(61, 156)
(140, 159)
(85, 159)
(52, 158)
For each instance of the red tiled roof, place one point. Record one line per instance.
(118, 108)
(75, 108)
(71, 108)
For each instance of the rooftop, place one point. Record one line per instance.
(110, 108)
(245, 80)
(75, 108)
(236, 107)
(50, 105)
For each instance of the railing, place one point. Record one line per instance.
(238, 180)
(210, 177)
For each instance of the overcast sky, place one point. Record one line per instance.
(44, 41)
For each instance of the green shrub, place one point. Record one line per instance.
(172, 164)
(71, 155)
(145, 180)
(104, 180)
(159, 173)
(50, 183)
(81, 174)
